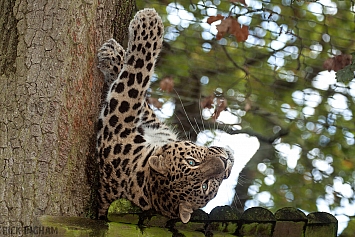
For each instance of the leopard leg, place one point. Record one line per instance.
(125, 103)
(111, 58)
(127, 94)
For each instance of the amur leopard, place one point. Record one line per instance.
(140, 158)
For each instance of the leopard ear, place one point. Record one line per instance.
(185, 211)
(157, 164)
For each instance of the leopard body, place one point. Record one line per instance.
(140, 158)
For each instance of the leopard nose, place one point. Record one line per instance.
(214, 167)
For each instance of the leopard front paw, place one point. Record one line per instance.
(146, 32)
(110, 59)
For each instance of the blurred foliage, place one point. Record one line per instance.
(276, 87)
(350, 230)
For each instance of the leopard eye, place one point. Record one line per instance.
(191, 162)
(204, 186)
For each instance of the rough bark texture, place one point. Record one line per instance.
(49, 104)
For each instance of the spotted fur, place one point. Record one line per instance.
(140, 158)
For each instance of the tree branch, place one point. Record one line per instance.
(232, 131)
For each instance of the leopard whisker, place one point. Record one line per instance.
(237, 200)
(182, 105)
(197, 125)
(201, 117)
(186, 134)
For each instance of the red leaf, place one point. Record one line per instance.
(338, 62)
(167, 84)
(223, 28)
(212, 19)
(155, 102)
(241, 33)
(207, 102)
(241, 1)
(220, 106)
(231, 25)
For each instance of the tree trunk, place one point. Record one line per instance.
(266, 152)
(49, 103)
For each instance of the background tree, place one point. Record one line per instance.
(49, 103)
(275, 86)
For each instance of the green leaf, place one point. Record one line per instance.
(346, 74)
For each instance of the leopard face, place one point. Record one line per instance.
(184, 177)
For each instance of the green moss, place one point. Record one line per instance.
(256, 229)
(74, 226)
(225, 227)
(123, 230)
(123, 206)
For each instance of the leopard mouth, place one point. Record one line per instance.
(228, 162)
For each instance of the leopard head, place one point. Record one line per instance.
(184, 177)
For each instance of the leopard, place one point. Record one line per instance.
(141, 158)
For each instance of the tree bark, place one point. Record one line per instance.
(266, 152)
(49, 103)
